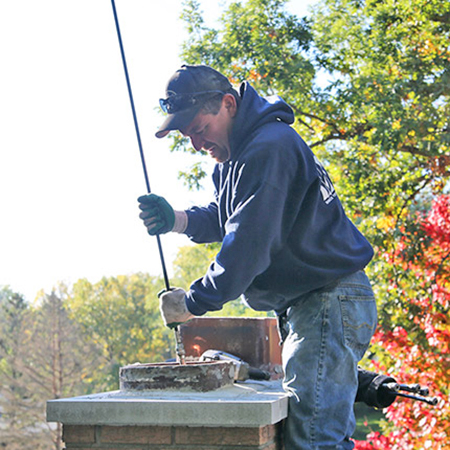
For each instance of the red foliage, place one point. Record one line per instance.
(417, 349)
(437, 224)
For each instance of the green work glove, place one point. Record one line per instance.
(157, 214)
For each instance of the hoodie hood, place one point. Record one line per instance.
(255, 111)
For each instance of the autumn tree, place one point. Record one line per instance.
(41, 357)
(370, 95)
(14, 393)
(57, 362)
(386, 122)
(369, 84)
(120, 315)
(417, 349)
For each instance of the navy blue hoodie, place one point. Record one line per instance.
(283, 230)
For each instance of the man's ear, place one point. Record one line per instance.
(229, 102)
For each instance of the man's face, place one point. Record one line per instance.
(211, 132)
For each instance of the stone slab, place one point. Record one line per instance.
(246, 404)
(192, 376)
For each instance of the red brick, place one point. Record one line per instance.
(272, 446)
(224, 436)
(75, 446)
(79, 434)
(136, 435)
(107, 447)
(267, 433)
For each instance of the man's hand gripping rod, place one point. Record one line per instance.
(179, 343)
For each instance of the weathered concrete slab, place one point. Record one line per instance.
(244, 404)
(192, 376)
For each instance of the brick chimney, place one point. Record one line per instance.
(243, 415)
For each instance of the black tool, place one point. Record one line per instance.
(179, 343)
(380, 391)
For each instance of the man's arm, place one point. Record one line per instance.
(253, 234)
(201, 224)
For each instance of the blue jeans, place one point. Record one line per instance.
(328, 332)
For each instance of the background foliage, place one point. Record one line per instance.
(369, 83)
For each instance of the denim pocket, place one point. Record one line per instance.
(359, 320)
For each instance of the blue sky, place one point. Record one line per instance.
(70, 171)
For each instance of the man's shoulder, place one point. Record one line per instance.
(275, 140)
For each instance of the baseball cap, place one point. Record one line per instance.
(186, 92)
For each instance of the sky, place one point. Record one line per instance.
(70, 170)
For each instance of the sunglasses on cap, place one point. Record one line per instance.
(178, 102)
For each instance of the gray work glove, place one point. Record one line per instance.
(172, 305)
(157, 214)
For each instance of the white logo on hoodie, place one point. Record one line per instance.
(326, 186)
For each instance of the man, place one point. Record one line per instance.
(287, 246)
